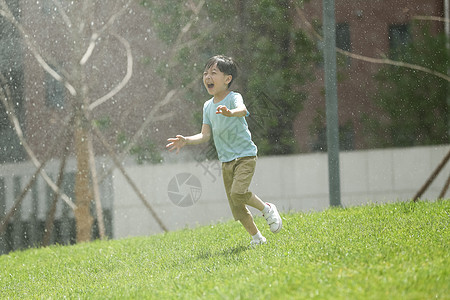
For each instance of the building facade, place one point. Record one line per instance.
(366, 28)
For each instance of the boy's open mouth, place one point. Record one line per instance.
(210, 85)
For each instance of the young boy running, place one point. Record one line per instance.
(224, 119)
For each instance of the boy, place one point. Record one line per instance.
(224, 119)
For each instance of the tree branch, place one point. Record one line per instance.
(124, 81)
(384, 61)
(169, 95)
(431, 18)
(96, 35)
(63, 14)
(95, 188)
(7, 14)
(49, 222)
(15, 121)
(19, 199)
(153, 116)
(196, 11)
(128, 178)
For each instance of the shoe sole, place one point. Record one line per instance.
(281, 222)
(258, 244)
(278, 229)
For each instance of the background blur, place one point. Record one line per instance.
(91, 90)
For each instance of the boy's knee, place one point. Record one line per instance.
(235, 195)
(241, 213)
(240, 197)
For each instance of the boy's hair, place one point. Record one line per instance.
(225, 64)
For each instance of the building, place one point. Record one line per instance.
(43, 103)
(367, 28)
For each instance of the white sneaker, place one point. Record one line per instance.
(258, 242)
(273, 219)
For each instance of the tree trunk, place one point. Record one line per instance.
(83, 193)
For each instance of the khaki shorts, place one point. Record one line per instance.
(237, 176)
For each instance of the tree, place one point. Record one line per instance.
(84, 39)
(413, 103)
(275, 58)
(376, 125)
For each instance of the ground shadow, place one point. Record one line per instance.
(204, 254)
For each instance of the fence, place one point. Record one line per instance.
(192, 193)
(28, 226)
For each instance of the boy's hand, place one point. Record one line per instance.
(222, 109)
(240, 111)
(177, 142)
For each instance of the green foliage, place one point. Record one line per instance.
(391, 251)
(174, 15)
(102, 123)
(145, 151)
(317, 127)
(274, 58)
(414, 102)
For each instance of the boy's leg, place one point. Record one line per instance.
(237, 176)
(242, 177)
(238, 209)
(249, 225)
(256, 202)
(269, 211)
(243, 174)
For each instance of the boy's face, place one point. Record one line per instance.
(215, 81)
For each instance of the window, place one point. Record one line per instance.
(346, 138)
(47, 6)
(343, 39)
(4, 122)
(54, 92)
(398, 37)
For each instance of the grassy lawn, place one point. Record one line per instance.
(393, 251)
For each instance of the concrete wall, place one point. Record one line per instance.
(293, 183)
(14, 178)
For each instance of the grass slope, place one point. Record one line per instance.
(393, 251)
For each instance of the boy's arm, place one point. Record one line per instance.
(240, 111)
(201, 137)
(180, 141)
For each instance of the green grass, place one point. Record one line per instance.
(393, 251)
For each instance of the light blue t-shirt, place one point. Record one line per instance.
(231, 135)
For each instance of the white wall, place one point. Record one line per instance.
(15, 177)
(293, 183)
